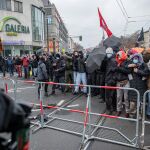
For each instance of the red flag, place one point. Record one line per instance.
(103, 24)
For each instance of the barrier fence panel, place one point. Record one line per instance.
(145, 123)
(74, 123)
(104, 132)
(80, 121)
(9, 86)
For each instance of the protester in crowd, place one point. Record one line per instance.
(131, 52)
(137, 77)
(49, 66)
(18, 65)
(42, 75)
(148, 85)
(68, 72)
(34, 65)
(110, 64)
(2, 66)
(91, 80)
(30, 71)
(146, 58)
(59, 67)
(75, 65)
(10, 65)
(81, 74)
(25, 61)
(101, 73)
(121, 77)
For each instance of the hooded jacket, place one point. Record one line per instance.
(42, 72)
(59, 67)
(138, 79)
(122, 71)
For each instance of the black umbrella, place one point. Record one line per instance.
(113, 42)
(95, 59)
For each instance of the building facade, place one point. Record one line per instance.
(71, 45)
(56, 34)
(147, 39)
(21, 26)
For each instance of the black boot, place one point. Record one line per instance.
(53, 93)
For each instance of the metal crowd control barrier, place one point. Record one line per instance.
(128, 142)
(52, 118)
(5, 85)
(89, 129)
(144, 121)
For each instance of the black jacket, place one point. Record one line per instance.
(81, 68)
(138, 81)
(110, 64)
(34, 63)
(121, 72)
(75, 63)
(59, 68)
(49, 65)
(2, 62)
(18, 61)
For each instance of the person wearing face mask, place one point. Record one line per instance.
(146, 57)
(138, 73)
(81, 74)
(122, 81)
(59, 67)
(110, 65)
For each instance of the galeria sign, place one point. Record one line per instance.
(13, 29)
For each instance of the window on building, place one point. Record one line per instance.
(18, 6)
(37, 24)
(5, 5)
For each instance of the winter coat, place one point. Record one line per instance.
(18, 61)
(121, 72)
(42, 72)
(2, 62)
(68, 61)
(81, 65)
(59, 67)
(75, 63)
(138, 81)
(34, 63)
(110, 64)
(148, 79)
(9, 61)
(25, 62)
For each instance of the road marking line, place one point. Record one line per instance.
(22, 88)
(76, 105)
(61, 102)
(11, 91)
(35, 110)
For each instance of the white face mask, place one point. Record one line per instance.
(135, 61)
(109, 55)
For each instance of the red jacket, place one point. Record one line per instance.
(25, 62)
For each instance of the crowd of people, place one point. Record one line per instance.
(128, 69)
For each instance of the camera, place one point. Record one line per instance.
(14, 119)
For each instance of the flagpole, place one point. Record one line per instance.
(103, 37)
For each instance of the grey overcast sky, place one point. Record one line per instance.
(81, 17)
